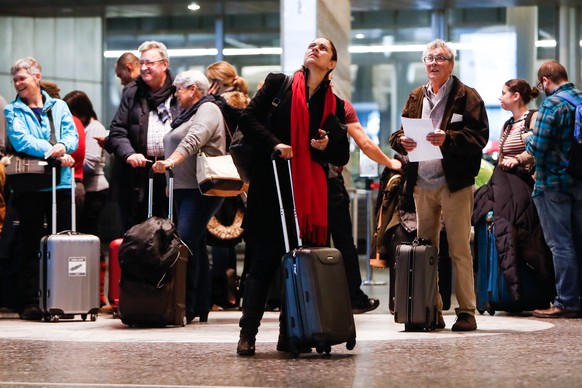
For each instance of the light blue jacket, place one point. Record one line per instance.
(28, 136)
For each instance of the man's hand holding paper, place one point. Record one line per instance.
(427, 139)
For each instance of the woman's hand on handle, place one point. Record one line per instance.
(162, 165)
(284, 150)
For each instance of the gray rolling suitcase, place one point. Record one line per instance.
(69, 270)
(415, 295)
(317, 300)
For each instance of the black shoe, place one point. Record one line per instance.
(32, 313)
(202, 317)
(368, 304)
(246, 345)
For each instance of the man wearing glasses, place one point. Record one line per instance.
(137, 131)
(443, 187)
(556, 194)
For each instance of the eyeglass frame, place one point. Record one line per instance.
(439, 59)
(150, 64)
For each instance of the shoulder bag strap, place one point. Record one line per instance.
(53, 139)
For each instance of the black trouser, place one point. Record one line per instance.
(91, 211)
(266, 259)
(33, 210)
(340, 227)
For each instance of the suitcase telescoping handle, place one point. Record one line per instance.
(170, 193)
(274, 156)
(54, 201)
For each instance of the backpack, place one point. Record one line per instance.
(148, 251)
(574, 161)
(231, 114)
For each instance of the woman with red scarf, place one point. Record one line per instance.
(293, 129)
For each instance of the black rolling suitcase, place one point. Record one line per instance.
(152, 289)
(415, 299)
(317, 301)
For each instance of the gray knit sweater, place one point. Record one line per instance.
(204, 131)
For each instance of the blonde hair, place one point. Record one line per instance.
(236, 99)
(226, 75)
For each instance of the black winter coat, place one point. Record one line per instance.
(518, 232)
(262, 219)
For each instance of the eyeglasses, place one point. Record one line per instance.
(540, 85)
(435, 58)
(149, 64)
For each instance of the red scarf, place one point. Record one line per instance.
(309, 180)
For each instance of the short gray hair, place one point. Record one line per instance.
(439, 43)
(153, 45)
(29, 64)
(192, 77)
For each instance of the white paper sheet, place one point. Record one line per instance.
(417, 130)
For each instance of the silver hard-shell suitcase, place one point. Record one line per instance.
(69, 270)
(415, 298)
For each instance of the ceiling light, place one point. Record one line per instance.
(193, 7)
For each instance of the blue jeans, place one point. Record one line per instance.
(193, 211)
(561, 219)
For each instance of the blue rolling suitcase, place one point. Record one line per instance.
(316, 296)
(493, 292)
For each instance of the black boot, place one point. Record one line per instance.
(253, 308)
(246, 344)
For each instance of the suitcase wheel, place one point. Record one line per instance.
(323, 347)
(351, 344)
(417, 327)
(84, 317)
(93, 317)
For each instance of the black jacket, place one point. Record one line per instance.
(262, 219)
(518, 231)
(128, 135)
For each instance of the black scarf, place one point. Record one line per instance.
(158, 97)
(187, 113)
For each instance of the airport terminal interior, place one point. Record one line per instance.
(78, 42)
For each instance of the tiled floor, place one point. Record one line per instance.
(505, 351)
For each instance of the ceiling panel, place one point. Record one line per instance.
(135, 8)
